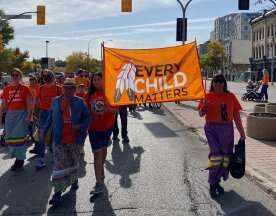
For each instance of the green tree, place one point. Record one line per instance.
(11, 58)
(213, 60)
(80, 60)
(7, 30)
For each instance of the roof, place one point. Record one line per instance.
(265, 14)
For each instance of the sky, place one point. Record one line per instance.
(75, 25)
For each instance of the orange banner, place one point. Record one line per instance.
(135, 76)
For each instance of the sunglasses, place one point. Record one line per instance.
(15, 75)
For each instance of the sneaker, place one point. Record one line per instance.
(40, 164)
(75, 185)
(98, 188)
(56, 199)
(125, 140)
(115, 138)
(33, 151)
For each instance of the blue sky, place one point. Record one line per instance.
(72, 24)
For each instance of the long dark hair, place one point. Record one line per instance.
(219, 77)
(92, 89)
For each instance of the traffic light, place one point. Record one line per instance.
(243, 4)
(126, 5)
(181, 29)
(1, 42)
(40, 19)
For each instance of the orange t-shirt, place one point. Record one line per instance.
(265, 79)
(68, 133)
(81, 94)
(34, 89)
(46, 93)
(104, 121)
(19, 100)
(82, 80)
(221, 107)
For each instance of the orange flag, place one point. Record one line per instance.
(134, 76)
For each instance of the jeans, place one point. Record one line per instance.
(40, 148)
(264, 92)
(123, 117)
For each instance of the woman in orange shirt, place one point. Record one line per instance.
(265, 81)
(220, 108)
(17, 101)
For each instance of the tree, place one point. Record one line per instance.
(213, 60)
(80, 60)
(270, 1)
(10, 58)
(7, 31)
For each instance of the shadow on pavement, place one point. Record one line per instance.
(230, 200)
(125, 162)
(25, 192)
(160, 130)
(135, 114)
(68, 206)
(102, 205)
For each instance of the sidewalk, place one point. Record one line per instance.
(261, 155)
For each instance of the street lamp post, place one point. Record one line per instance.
(47, 47)
(184, 8)
(88, 54)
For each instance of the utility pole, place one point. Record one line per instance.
(47, 47)
(182, 23)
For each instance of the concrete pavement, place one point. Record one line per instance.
(261, 155)
(158, 173)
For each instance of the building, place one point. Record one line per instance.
(264, 43)
(234, 32)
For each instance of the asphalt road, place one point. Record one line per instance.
(158, 173)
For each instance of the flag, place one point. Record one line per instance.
(135, 76)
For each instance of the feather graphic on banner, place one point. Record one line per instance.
(125, 81)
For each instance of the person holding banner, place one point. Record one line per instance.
(100, 130)
(220, 108)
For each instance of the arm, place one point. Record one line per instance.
(29, 107)
(202, 108)
(238, 122)
(2, 108)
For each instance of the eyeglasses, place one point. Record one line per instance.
(15, 75)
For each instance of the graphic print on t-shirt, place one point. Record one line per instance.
(98, 105)
(224, 112)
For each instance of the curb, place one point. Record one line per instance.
(254, 175)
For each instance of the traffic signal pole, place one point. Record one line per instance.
(184, 26)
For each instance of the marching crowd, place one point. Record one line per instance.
(73, 107)
(63, 108)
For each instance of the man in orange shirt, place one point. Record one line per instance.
(265, 81)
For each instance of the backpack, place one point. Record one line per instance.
(237, 161)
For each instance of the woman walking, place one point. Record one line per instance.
(100, 129)
(220, 108)
(69, 118)
(265, 81)
(17, 102)
(46, 93)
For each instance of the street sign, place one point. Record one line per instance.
(126, 5)
(14, 16)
